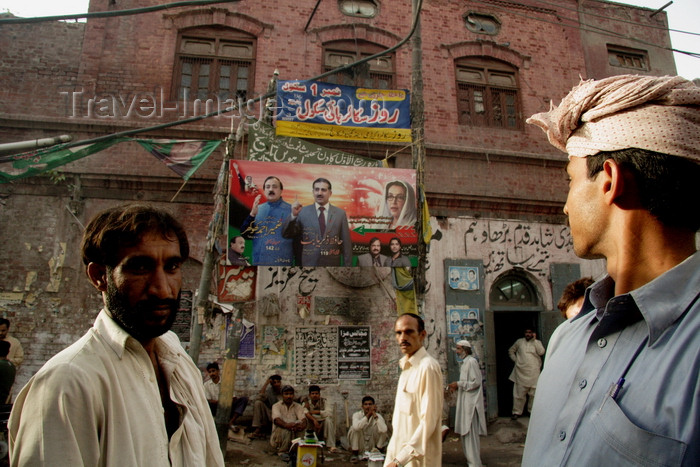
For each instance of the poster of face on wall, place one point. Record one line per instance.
(464, 321)
(313, 216)
(463, 278)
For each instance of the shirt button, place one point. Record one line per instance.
(582, 384)
(602, 342)
(562, 435)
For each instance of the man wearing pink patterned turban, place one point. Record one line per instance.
(621, 380)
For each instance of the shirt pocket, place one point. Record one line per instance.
(634, 445)
(406, 394)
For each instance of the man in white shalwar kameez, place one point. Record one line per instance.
(417, 437)
(470, 421)
(527, 354)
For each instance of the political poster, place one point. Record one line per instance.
(314, 109)
(368, 215)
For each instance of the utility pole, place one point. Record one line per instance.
(216, 228)
(228, 379)
(418, 151)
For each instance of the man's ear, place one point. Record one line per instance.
(613, 181)
(97, 274)
(619, 185)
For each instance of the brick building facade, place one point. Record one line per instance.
(494, 185)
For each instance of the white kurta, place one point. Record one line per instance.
(417, 437)
(97, 403)
(470, 398)
(527, 355)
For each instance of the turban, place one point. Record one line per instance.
(660, 114)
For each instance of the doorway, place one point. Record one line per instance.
(509, 326)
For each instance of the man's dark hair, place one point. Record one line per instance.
(324, 180)
(368, 398)
(397, 239)
(233, 239)
(374, 239)
(276, 378)
(5, 322)
(4, 348)
(667, 185)
(272, 176)
(314, 388)
(421, 323)
(213, 365)
(124, 226)
(573, 292)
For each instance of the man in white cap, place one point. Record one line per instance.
(469, 416)
(620, 384)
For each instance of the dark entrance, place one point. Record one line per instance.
(515, 306)
(509, 326)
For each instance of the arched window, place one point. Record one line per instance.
(487, 93)
(376, 74)
(513, 291)
(213, 62)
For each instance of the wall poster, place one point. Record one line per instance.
(354, 354)
(316, 355)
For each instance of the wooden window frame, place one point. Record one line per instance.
(483, 102)
(242, 67)
(626, 58)
(356, 50)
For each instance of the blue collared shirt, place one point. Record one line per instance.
(655, 418)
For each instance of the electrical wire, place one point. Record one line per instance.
(618, 20)
(586, 27)
(215, 113)
(109, 14)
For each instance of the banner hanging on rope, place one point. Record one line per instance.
(184, 157)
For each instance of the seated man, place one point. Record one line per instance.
(288, 422)
(368, 430)
(320, 416)
(211, 389)
(268, 396)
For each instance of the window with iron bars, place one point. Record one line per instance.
(376, 74)
(212, 64)
(488, 97)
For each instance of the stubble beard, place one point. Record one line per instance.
(133, 318)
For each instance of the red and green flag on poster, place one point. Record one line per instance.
(183, 157)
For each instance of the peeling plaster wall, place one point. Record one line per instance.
(43, 288)
(503, 246)
(278, 292)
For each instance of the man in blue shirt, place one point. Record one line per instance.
(621, 381)
(264, 227)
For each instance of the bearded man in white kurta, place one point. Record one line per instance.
(527, 354)
(417, 437)
(470, 421)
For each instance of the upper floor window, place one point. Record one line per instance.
(482, 24)
(214, 63)
(360, 8)
(628, 58)
(376, 74)
(487, 93)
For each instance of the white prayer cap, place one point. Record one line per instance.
(464, 343)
